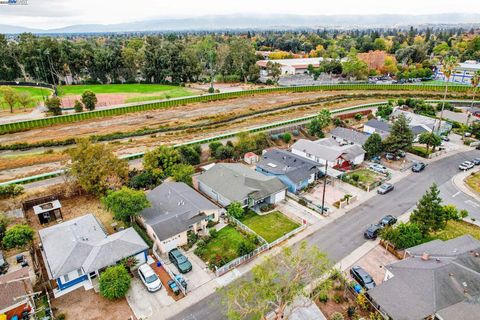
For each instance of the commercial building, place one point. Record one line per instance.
(463, 73)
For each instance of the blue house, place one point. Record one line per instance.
(294, 171)
(76, 251)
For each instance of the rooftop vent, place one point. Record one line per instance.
(425, 256)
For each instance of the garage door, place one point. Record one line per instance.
(171, 244)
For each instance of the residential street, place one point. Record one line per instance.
(339, 238)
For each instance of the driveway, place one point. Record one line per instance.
(147, 304)
(293, 209)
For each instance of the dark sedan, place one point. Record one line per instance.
(372, 231)
(362, 277)
(385, 188)
(419, 166)
(388, 220)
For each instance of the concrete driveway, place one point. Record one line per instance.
(146, 304)
(293, 209)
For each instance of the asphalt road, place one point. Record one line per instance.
(344, 235)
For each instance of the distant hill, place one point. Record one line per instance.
(242, 21)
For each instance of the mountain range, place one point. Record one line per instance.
(244, 21)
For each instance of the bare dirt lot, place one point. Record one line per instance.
(88, 305)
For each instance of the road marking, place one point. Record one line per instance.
(456, 194)
(473, 203)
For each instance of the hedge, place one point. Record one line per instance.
(45, 122)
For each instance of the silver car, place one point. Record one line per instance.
(466, 165)
(378, 168)
(149, 278)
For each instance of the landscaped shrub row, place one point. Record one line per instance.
(37, 123)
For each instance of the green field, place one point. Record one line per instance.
(439, 83)
(36, 93)
(270, 226)
(456, 229)
(172, 91)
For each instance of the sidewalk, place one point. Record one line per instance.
(459, 182)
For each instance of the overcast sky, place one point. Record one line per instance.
(58, 13)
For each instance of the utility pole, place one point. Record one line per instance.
(324, 186)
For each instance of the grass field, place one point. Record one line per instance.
(224, 246)
(440, 83)
(456, 229)
(473, 181)
(36, 93)
(270, 226)
(125, 88)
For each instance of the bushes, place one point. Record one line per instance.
(18, 236)
(244, 248)
(337, 316)
(142, 234)
(267, 207)
(114, 282)
(10, 190)
(235, 210)
(146, 179)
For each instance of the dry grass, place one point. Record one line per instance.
(29, 160)
(473, 181)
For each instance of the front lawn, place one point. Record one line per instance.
(420, 151)
(456, 229)
(224, 247)
(362, 178)
(270, 226)
(473, 181)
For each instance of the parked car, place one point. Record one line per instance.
(375, 159)
(445, 138)
(149, 278)
(419, 166)
(401, 154)
(173, 286)
(180, 261)
(3, 264)
(476, 161)
(466, 165)
(362, 277)
(372, 231)
(467, 134)
(385, 188)
(378, 168)
(390, 156)
(388, 220)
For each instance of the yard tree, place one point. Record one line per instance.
(125, 204)
(373, 146)
(25, 99)
(115, 282)
(18, 236)
(78, 106)
(10, 96)
(189, 155)
(162, 158)
(95, 167)
(274, 70)
(183, 173)
(401, 136)
(53, 105)
(224, 152)
(404, 235)
(235, 209)
(430, 139)
(89, 100)
(213, 146)
(429, 214)
(320, 122)
(354, 67)
(276, 283)
(245, 143)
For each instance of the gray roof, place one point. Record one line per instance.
(328, 149)
(236, 182)
(350, 135)
(465, 310)
(379, 125)
(174, 208)
(418, 129)
(282, 162)
(419, 288)
(81, 243)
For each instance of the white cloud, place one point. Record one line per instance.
(59, 13)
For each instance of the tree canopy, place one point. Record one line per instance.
(400, 137)
(114, 282)
(373, 146)
(18, 236)
(162, 158)
(320, 122)
(126, 204)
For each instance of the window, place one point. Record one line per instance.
(80, 272)
(66, 278)
(210, 217)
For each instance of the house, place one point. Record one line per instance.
(49, 211)
(76, 251)
(463, 72)
(225, 183)
(440, 280)
(290, 66)
(349, 136)
(293, 170)
(420, 124)
(381, 127)
(250, 158)
(175, 209)
(329, 151)
(14, 290)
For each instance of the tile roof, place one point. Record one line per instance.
(9, 289)
(174, 208)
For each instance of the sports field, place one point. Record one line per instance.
(36, 93)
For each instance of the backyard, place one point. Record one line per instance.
(473, 181)
(362, 178)
(223, 247)
(456, 229)
(270, 226)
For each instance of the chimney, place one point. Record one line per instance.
(425, 256)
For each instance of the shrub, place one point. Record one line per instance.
(211, 90)
(114, 282)
(18, 236)
(235, 210)
(267, 207)
(245, 247)
(355, 177)
(323, 297)
(337, 298)
(146, 179)
(201, 244)
(302, 201)
(358, 116)
(61, 316)
(78, 106)
(351, 311)
(10, 190)
(362, 301)
(337, 316)
(143, 234)
(213, 146)
(287, 137)
(213, 232)
(192, 238)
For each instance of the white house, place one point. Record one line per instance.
(290, 66)
(463, 72)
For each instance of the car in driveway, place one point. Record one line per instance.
(180, 261)
(388, 220)
(466, 165)
(372, 232)
(362, 277)
(418, 166)
(149, 278)
(378, 168)
(385, 188)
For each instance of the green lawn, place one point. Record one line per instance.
(456, 229)
(36, 93)
(270, 226)
(473, 182)
(440, 83)
(172, 91)
(420, 151)
(365, 176)
(224, 246)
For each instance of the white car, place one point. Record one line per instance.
(149, 278)
(378, 168)
(466, 165)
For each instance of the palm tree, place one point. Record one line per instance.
(474, 81)
(448, 67)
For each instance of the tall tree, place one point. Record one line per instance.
(430, 139)
(429, 214)
(475, 82)
(373, 146)
(126, 204)
(161, 159)
(10, 96)
(400, 137)
(448, 67)
(276, 283)
(320, 122)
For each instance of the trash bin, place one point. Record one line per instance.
(159, 264)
